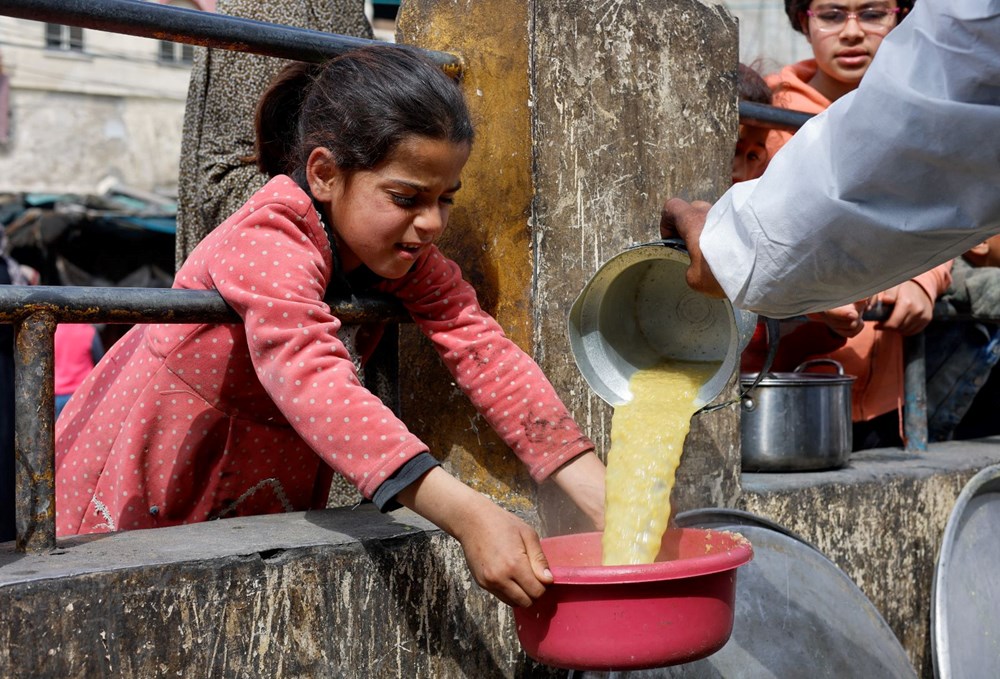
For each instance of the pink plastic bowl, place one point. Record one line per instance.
(596, 617)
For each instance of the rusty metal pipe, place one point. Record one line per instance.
(34, 432)
(72, 304)
(194, 27)
(915, 391)
(771, 117)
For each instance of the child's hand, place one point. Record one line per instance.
(504, 555)
(912, 308)
(846, 320)
(503, 552)
(582, 480)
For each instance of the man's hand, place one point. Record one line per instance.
(680, 219)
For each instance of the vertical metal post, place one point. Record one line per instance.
(915, 393)
(34, 432)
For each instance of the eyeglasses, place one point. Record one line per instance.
(872, 20)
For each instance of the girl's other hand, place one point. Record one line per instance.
(582, 480)
(503, 552)
(912, 308)
(846, 320)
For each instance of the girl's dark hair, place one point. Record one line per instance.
(752, 87)
(796, 11)
(360, 106)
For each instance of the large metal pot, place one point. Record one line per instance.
(797, 421)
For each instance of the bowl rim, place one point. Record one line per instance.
(736, 552)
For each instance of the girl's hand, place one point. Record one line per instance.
(912, 308)
(582, 480)
(503, 552)
(504, 555)
(846, 320)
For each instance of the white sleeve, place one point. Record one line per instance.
(893, 179)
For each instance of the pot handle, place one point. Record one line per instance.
(773, 332)
(820, 361)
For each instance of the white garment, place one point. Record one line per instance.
(891, 180)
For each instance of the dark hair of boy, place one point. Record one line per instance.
(751, 85)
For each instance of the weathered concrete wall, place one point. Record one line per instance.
(352, 593)
(336, 593)
(588, 116)
(880, 520)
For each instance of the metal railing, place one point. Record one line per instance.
(35, 311)
(193, 27)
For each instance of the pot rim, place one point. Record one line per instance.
(796, 379)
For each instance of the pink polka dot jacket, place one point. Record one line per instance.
(184, 423)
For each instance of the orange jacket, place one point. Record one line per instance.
(792, 90)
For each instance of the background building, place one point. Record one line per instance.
(81, 109)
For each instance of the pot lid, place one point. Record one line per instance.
(965, 600)
(797, 614)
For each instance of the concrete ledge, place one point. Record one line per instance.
(351, 592)
(881, 520)
(333, 593)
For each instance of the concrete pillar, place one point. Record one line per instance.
(589, 115)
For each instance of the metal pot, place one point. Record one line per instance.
(797, 421)
(638, 310)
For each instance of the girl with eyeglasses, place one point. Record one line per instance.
(844, 37)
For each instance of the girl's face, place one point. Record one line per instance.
(386, 217)
(844, 45)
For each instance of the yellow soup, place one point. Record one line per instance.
(647, 439)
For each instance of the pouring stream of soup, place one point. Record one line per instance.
(647, 439)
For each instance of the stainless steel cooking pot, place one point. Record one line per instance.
(638, 310)
(797, 421)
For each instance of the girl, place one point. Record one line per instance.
(844, 36)
(185, 423)
(750, 156)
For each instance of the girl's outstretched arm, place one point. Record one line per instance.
(503, 552)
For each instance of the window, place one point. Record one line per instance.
(59, 37)
(176, 53)
(385, 9)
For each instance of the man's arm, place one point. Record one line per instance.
(892, 180)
